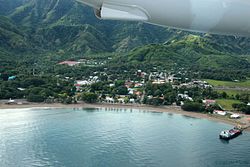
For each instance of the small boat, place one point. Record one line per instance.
(230, 134)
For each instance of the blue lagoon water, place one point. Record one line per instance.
(115, 138)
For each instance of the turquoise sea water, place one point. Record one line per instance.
(115, 138)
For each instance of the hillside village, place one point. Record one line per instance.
(135, 89)
(135, 86)
(102, 80)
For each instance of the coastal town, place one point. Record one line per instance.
(136, 87)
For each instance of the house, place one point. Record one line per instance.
(170, 78)
(158, 81)
(78, 87)
(69, 63)
(150, 97)
(111, 85)
(137, 85)
(235, 116)
(95, 78)
(185, 97)
(21, 89)
(12, 78)
(82, 82)
(138, 93)
(209, 102)
(10, 101)
(130, 91)
(121, 100)
(110, 100)
(139, 72)
(219, 112)
(129, 84)
(132, 100)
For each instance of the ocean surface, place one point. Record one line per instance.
(107, 137)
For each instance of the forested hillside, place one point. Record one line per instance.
(31, 28)
(65, 24)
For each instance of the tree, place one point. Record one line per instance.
(246, 109)
(242, 107)
(170, 98)
(158, 93)
(122, 90)
(89, 97)
(193, 106)
(237, 96)
(35, 98)
(33, 82)
(5, 77)
(245, 97)
(97, 86)
(224, 95)
(213, 107)
(119, 83)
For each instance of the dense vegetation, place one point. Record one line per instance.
(35, 35)
(193, 106)
(206, 62)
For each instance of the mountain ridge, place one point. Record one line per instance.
(65, 26)
(34, 16)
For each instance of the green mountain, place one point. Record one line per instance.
(38, 18)
(7, 6)
(51, 26)
(11, 38)
(188, 51)
(65, 24)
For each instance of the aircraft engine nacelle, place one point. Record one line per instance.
(116, 11)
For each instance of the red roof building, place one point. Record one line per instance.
(209, 102)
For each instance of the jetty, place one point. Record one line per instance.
(245, 127)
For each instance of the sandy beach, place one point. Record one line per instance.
(243, 121)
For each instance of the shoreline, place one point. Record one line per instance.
(169, 109)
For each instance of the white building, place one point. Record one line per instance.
(132, 100)
(110, 100)
(235, 116)
(222, 113)
(185, 97)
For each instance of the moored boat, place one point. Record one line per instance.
(230, 134)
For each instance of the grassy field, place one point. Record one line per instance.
(227, 103)
(231, 93)
(244, 84)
